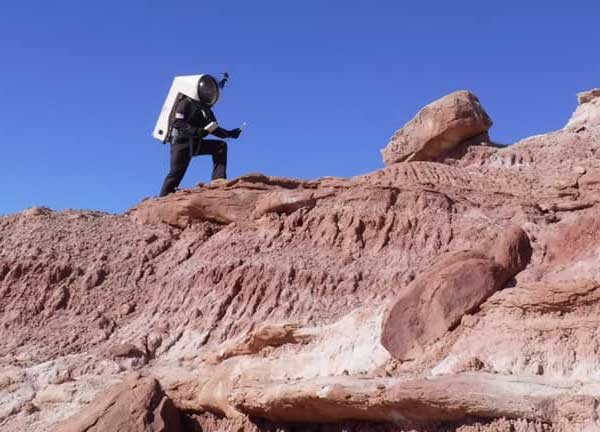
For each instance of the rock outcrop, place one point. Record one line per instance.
(587, 113)
(438, 128)
(136, 405)
(260, 304)
(248, 197)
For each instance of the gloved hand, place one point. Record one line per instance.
(234, 133)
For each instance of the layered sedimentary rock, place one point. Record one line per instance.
(263, 301)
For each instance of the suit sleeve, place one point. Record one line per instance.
(221, 133)
(181, 120)
(218, 132)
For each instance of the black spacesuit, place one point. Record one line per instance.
(191, 122)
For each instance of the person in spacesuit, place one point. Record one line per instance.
(192, 121)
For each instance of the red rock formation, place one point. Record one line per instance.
(587, 114)
(438, 128)
(264, 296)
(135, 405)
(457, 284)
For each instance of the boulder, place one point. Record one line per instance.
(457, 284)
(138, 404)
(436, 301)
(512, 251)
(438, 128)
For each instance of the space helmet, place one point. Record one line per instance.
(208, 90)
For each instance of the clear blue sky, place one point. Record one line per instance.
(322, 84)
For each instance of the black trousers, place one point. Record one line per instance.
(181, 155)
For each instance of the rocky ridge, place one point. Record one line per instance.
(264, 302)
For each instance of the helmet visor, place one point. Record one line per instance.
(208, 90)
